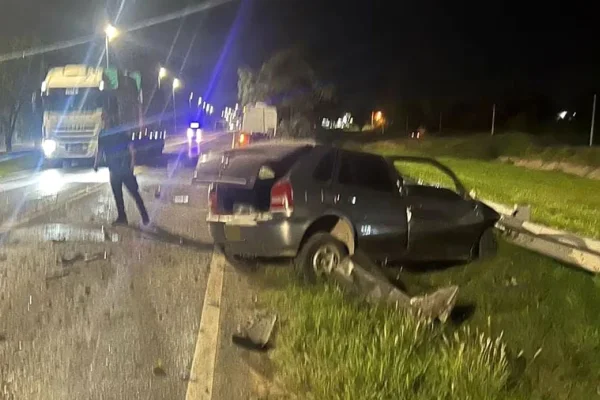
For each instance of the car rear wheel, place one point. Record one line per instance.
(488, 245)
(319, 256)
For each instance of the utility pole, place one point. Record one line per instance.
(593, 122)
(106, 50)
(493, 118)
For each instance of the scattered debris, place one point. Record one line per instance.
(256, 336)
(158, 369)
(70, 259)
(438, 304)
(361, 275)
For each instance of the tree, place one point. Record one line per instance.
(287, 81)
(16, 86)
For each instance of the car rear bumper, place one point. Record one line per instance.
(270, 239)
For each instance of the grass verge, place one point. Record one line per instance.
(559, 200)
(329, 346)
(19, 161)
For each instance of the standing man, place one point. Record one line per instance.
(119, 153)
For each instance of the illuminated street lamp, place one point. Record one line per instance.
(110, 32)
(176, 85)
(162, 73)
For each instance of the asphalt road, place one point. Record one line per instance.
(96, 312)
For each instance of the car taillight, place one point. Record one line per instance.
(282, 196)
(212, 200)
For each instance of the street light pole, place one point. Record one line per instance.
(162, 72)
(106, 50)
(593, 122)
(176, 84)
(493, 118)
(110, 32)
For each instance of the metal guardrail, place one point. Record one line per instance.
(564, 246)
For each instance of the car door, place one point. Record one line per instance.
(443, 225)
(365, 190)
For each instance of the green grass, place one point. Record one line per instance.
(557, 199)
(10, 164)
(486, 147)
(332, 348)
(335, 347)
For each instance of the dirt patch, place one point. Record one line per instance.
(583, 171)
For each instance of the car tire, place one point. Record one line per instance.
(487, 247)
(319, 256)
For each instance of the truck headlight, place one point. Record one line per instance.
(49, 147)
(190, 133)
(198, 135)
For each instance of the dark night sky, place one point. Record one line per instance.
(371, 50)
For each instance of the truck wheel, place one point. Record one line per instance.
(488, 245)
(319, 256)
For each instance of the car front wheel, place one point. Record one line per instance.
(319, 256)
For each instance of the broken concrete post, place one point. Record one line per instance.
(365, 279)
(438, 304)
(258, 333)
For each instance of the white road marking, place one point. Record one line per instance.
(202, 375)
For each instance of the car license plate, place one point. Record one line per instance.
(78, 148)
(233, 233)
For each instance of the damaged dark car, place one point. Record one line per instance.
(318, 203)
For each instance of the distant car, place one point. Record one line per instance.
(319, 203)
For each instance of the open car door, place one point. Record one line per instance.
(444, 221)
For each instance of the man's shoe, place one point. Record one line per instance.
(120, 221)
(145, 220)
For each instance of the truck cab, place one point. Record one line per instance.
(79, 102)
(73, 103)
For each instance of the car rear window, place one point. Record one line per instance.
(365, 170)
(324, 170)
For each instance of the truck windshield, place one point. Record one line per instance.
(73, 99)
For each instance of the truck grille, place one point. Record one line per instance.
(73, 133)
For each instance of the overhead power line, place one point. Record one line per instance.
(134, 27)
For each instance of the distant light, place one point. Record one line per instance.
(198, 135)
(101, 86)
(191, 95)
(176, 83)
(162, 72)
(194, 125)
(44, 86)
(190, 133)
(199, 101)
(111, 32)
(562, 114)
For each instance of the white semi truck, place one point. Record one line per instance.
(79, 102)
(259, 122)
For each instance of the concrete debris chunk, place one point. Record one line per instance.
(365, 277)
(257, 334)
(437, 305)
